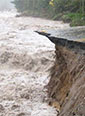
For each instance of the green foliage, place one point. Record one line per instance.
(68, 10)
(31, 5)
(76, 19)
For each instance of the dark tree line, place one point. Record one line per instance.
(55, 9)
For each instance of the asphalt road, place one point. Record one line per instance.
(71, 33)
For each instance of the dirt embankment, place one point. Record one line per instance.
(67, 83)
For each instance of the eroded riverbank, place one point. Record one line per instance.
(66, 87)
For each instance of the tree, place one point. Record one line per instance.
(83, 6)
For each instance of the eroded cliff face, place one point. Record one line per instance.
(66, 88)
(67, 84)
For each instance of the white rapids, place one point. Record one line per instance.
(25, 61)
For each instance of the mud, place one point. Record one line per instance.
(67, 84)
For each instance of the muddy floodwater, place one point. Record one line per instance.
(25, 62)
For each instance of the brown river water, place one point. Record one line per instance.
(25, 61)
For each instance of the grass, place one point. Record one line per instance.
(75, 19)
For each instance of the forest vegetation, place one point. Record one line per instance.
(72, 11)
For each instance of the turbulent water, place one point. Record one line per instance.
(25, 61)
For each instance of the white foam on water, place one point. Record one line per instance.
(25, 60)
